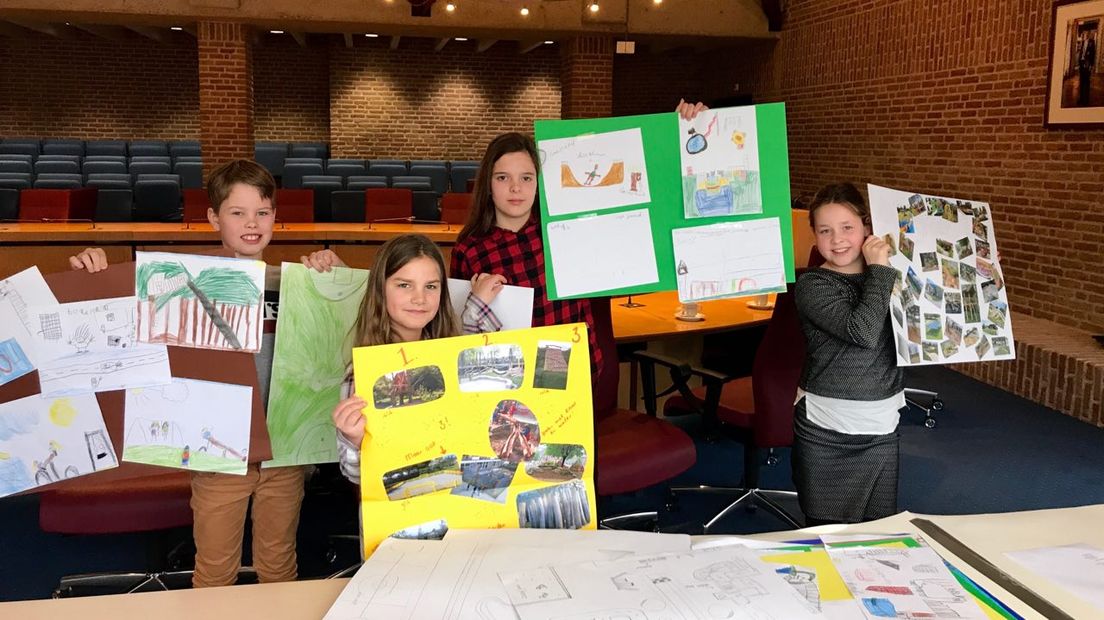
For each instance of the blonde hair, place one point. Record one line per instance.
(374, 325)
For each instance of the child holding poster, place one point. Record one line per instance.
(407, 300)
(845, 457)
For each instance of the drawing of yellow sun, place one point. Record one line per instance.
(62, 412)
(738, 139)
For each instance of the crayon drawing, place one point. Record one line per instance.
(312, 356)
(720, 163)
(189, 424)
(729, 260)
(594, 172)
(45, 440)
(17, 294)
(13, 361)
(207, 302)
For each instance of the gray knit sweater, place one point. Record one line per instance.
(845, 317)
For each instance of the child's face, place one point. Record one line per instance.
(244, 221)
(513, 189)
(413, 295)
(840, 234)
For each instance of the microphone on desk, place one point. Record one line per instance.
(408, 219)
(54, 220)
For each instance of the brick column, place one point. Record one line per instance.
(586, 77)
(225, 92)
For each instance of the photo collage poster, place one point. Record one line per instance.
(485, 431)
(950, 301)
(631, 204)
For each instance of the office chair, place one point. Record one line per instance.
(757, 411)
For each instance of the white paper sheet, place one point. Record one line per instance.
(45, 440)
(90, 346)
(18, 293)
(189, 424)
(602, 253)
(720, 163)
(457, 578)
(1078, 569)
(594, 172)
(513, 305)
(729, 260)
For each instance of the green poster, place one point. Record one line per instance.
(314, 338)
(648, 203)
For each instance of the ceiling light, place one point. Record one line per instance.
(460, 39)
(549, 42)
(657, 1)
(176, 28)
(450, 6)
(524, 11)
(276, 31)
(371, 35)
(593, 6)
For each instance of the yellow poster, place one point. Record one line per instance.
(487, 431)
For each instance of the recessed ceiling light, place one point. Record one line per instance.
(371, 35)
(461, 39)
(176, 28)
(593, 6)
(549, 42)
(450, 7)
(524, 11)
(276, 31)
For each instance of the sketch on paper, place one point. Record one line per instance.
(620, 253)
(189, 424)
(729, 260)
(45, 440)
(720, 163)
(13, 361)
(594, 172)
(311, 358)
(18, 293)
(90, 346)
(208, 302)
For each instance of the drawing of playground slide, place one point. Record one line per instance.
(596, 171)
(45, 440)
(189, 424)
(614, 175)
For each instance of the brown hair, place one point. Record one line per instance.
(844, 194)
(374, 326)
(244, 171)
(481, 219)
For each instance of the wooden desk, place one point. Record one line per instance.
(656, 318)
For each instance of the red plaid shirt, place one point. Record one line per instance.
(520, 258)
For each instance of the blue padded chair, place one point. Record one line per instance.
(190, 173)
(425, 206)
(339, 160)
(429, 162)
(324, 186)
(119, 158)
(63, 147)
(101, 183)
(17, 157)
(156, 200)
(460, 172)
(57, 183)
(175, 178)
(179, 158)
(347, 206)
(73, 158)
(10, 180)
(294, 173)
(271, 155)
(365, 182)
(387, 170)
(56, 167)
(309, 149)
(141, 159)
(20, 148)
(436, 172)
(185, 148)
(105, 147)
(139, 148)
(149, 167)
(103, 167)
(9, 203)
(388, 162)
(114, 205)
(345, 170)
(412, 183)
(304, 160)
(111, 176)
(22, 167)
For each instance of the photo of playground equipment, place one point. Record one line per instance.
(552, 360)
(564, 506)
(430, 530)
(403, 388)
(491, 368)
(439, 474)
(485, 477)
(557, 462)
(514, 432)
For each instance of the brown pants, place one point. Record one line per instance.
(219, 503)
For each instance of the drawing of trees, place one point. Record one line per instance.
(218, 308)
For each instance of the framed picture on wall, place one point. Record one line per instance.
(1075, 78)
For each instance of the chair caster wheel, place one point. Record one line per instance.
(937, 405)
(772, 460)
(929, 422)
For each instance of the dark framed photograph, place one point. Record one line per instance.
(1075, 78)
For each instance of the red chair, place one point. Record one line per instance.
(294, 205)
(388, 205)
(756, 410)
(58, 204)
(455, 207)
(634, 450)
(196, 204)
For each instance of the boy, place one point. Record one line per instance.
(241, 194)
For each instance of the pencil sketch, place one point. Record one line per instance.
(207, 302)
(729, 260)
(45, 440)
(18, 293)
(595, 172)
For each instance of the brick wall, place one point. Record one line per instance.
(291, 88)
(225, 92)
(92, 88)
(586, 75)
(416, 103)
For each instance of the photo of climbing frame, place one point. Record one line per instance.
(491, 430)
(727, 165)
(189, 424)
(720, 163)
(208, 302)
(949, 280)
(45, 440)
(596, 171)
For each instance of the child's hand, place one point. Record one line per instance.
(689, 110)
(91, 260)
(876, 251)
(349, 420)
(322, 260)
(486, 286)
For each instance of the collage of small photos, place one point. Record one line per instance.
(950, 302)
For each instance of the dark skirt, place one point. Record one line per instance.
(844, 478)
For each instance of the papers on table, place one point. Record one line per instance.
(17, 294)
(1079, 569)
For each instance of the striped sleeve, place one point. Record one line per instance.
(348, 455)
